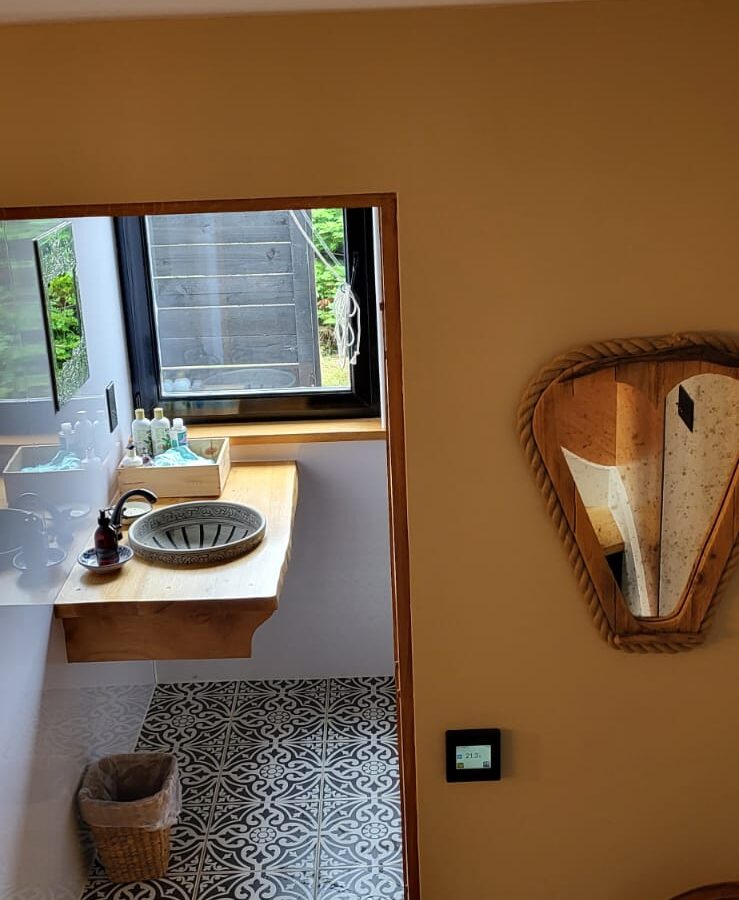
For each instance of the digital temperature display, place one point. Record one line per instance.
(473, 754)
(478, 756)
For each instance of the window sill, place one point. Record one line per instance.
(319, 431)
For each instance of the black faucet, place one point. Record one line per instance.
(114, 513)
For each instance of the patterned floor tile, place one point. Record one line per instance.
(270, 770)
(176, 721)
(175, 887)
(265, 885)
(264, 719)
(290, 691)
(361, 833)
(361, 708)
(188, 839)
(381, 883)
(377, 688)
(275, 772)
(196, 690)
(361, 768)
(260, 836)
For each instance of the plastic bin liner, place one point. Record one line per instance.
(131, 790)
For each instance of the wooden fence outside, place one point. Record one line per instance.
(236, 300)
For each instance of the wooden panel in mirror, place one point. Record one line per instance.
(635, 444)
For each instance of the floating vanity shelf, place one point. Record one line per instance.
(149, 611)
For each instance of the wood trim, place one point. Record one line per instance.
(319, 431)
(400, 562)
(728, 890)
(399, 542)
(177, 207)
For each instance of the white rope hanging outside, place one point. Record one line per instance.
(348, 327)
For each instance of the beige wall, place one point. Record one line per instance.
(565, 172)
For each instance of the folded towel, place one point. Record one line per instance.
(63, 461)
(181, 456)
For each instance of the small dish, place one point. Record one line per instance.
(134, 509)
(88, 559)
(54, 556)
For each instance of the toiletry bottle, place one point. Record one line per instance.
(178, 434)
(83, 433)
(66, 437)
(141, 432)
(106, 540)
(131, 458)
(159, 431)
(91, 461)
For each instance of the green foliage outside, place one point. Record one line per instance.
(66, 323)
(328, 224)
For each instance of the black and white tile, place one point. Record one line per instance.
(264, 835)
(250, 885)
(290, 791)
(361, 832)
(378, 883)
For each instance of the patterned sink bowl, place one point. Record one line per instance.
(201, 533)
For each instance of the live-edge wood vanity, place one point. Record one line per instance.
(150, 611)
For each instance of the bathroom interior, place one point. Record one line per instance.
(269, 674)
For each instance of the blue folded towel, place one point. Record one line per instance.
(181, 456)
(62, 462)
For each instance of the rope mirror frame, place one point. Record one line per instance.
(685, 629)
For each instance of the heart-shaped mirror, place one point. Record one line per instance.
(635, 445)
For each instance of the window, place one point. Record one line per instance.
(232, 316)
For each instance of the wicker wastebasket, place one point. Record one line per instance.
(130, 801)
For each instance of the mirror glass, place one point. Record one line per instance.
(651, 448)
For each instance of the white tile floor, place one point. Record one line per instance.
(290, 792)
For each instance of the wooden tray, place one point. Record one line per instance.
(183, 481)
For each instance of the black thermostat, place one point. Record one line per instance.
(473, 754)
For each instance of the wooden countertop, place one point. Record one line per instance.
(248, 583)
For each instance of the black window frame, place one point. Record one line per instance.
(361, 401)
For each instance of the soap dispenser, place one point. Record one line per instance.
(106, 540)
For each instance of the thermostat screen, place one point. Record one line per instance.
(476, 756)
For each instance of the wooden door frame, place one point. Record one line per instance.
(386, 203)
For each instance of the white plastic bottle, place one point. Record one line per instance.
(141, 433)
(91, 461)
(160, 440)
(178, 433)
(66, 437)
(131, 459)
(83, 434)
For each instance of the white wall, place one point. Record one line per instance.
(335, 614)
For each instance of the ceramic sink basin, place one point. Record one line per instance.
(201, 533)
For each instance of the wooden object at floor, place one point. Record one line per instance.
(648, 428)
(149, 611)
(728, 890)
